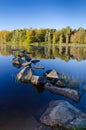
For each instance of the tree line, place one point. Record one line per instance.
(64, 35)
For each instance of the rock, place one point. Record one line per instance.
(35, 61)
(27, 58)
(25, 74)
(18, 61)
(38, 80)
(26, 64)
(53, 81)
(67, 92)
(60, 84)
(38, 67)
(62, 113)
(51, 74)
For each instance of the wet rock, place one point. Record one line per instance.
(60, 84)
(62, 113)
(25, 74)
(18, 61)
(27, 58)
(38, 80)
(38, 67)
(26, 64)
(51, 74)
(53, 81)
(67, 92)
(35, 61)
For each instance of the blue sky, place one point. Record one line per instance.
(42, 14)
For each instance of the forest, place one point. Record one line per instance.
(63, 36)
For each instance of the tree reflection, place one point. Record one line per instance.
(46, 51)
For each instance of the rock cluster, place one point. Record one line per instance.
(59, 113)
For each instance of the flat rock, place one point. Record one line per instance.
(61, 113)
(25, 74)
(52, 74)
(38, 67)
(67, 92)
(38, 80)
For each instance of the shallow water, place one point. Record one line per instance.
(22, 104)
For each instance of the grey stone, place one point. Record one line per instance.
(67, 92)
(51, 74)
(25, 74)
(62, 113)
(38, 80)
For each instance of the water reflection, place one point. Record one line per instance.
(20, 102)
(48, 52)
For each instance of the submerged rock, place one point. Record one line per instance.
(62, 113)
(60, 84)
(52, 74)
(25, 74)
(38, 80)
(67, 92)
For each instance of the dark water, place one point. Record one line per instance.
(21, 104)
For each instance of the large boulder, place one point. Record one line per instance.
(25, 74)
(51, 74)
(67, 92)
(38, 80)
(62, 113)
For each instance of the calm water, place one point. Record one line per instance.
(21, 104)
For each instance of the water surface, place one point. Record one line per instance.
(22, 104)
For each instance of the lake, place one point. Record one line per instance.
(22, 104)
